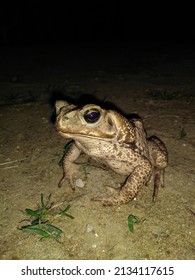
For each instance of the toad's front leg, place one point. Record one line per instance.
(69, 166)
(131, 187)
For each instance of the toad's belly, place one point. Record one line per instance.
(120, 167)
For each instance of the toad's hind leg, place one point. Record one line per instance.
(131, 187)
(158, 181)
(159, 159)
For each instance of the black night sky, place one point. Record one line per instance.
(55, 22)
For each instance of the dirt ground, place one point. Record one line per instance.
(156, 82)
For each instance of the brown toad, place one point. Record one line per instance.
(119, 143)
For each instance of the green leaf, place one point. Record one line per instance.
(32, 212)
(35, 222)
(131, 221)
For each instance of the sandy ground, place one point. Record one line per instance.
(158, 85)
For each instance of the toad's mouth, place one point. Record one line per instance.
(91, 134)
(103, 136)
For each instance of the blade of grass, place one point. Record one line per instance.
(42, 201)
(48, 204)
(46, 230)
(182, 133)
(37, 231)
(67, 215)
(64, 213)
(51, 229)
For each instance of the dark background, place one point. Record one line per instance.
(55, 22)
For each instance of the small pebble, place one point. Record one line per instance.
(79, 183)
(69, 236)
(89, 228)
(160, 233)
(44, 120)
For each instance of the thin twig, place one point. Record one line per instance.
(56, 205)
(12, 161)
(192, 212)
(10, 167)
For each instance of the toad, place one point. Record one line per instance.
(119, 143)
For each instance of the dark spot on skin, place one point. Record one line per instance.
(114, 147)
(110, 122)
(133, 146)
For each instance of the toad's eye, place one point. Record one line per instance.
(91, 116)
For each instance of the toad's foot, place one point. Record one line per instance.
(107, 201)
(70, 174)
